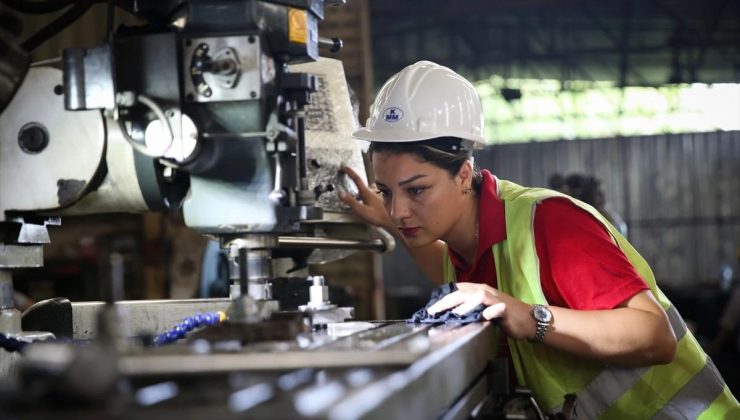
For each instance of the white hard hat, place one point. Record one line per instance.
(425, 101)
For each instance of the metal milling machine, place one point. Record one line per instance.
(224, 109)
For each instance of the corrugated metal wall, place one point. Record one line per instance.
(679, 194)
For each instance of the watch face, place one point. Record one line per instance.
(541, 313)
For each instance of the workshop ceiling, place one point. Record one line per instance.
(633, 43)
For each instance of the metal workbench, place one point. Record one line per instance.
(350, 370)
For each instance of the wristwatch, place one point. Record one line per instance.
(543, 316)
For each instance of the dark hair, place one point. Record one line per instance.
(556, 182)
(586, 188)
(443, 152)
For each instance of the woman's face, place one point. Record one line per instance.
(423, 200)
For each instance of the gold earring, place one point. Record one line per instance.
(467, 191)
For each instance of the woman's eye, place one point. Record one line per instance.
(383, 193)
(416, 190)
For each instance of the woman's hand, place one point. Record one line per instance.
(370, 206)
(513, 315)
(636, 333)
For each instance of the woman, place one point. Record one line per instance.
(578, 304)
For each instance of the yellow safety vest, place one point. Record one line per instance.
(689, 387)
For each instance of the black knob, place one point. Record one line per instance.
(337, 45)
(333, 44)
(33, 138)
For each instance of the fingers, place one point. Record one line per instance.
(472, 287)
(494, 311)
(349, 171)
(467, 298)
(471, 303)
(361, 186)
(359, 208)
(447, 302)
(344, 196)
(348, 199)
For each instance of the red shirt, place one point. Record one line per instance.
(580, 266)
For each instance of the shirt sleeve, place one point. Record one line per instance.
(580, 266)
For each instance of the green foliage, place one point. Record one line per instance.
(551, 110)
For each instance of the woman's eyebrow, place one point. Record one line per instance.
(412, 179)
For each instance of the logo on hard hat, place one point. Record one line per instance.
(392, 114)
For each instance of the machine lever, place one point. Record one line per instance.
(277, 195)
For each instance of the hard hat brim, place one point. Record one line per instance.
(396, 137)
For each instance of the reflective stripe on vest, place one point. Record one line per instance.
(696, 396)
(689, 387)
(614, 382)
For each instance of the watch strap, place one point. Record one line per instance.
(539, 335)
(543, 323)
